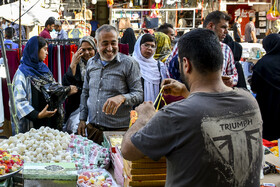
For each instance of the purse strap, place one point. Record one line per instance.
(122, 14)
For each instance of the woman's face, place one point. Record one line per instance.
(43, 53)
(148, 49)
(87, 50)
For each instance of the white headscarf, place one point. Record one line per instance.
(149, 72)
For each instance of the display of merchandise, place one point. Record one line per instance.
(88, 155)
(96, 178)
(9, 163)
(39, 146)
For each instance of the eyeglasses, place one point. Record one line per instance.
(149, 46)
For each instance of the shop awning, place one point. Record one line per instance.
(36, 15)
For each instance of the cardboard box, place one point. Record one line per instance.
(144, 172)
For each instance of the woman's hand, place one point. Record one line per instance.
(45, 113)
(73, 90)
(75, 60)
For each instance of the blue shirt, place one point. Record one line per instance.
(14, 45)
(62, 34)
(94, 25)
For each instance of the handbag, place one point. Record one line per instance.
(151, 23)
(124, 23)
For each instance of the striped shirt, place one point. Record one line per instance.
(23, 100)
(119, 77)
(229, 68)
(228, 63)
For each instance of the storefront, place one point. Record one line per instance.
(251, 9)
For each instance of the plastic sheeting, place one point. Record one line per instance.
(36, 15)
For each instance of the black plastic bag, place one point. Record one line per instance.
(55, 94)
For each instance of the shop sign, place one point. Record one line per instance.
(244, 13)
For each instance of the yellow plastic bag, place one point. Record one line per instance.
(273, 13)
(134, 115)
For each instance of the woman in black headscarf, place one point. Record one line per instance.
(129, 38)
(38, 97)
(266, 84)
(76, 72)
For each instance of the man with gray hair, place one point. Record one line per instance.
(61, 34)
(112, 86)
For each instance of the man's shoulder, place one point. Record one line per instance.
(45, 34)
(245, 93)
(125, 59)
(124, 56)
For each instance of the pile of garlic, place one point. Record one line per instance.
(39, 146)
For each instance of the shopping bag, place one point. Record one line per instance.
(151, 23)
(272, 17)
(124, 23)
(55, 94)
(273, 13)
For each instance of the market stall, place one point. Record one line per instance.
(55, 158)
(48, 157)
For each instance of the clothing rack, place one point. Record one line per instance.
(55, 41)
(64, 41)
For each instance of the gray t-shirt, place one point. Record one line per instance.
(248, 29)
(209, 139)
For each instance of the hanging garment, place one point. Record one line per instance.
(59, 79)
(124, 48)
(50, 54)
(54, 61)
(13, 62)
(67, 56)
(62, 60)
(1, 104)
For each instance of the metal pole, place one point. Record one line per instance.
(19, 45)
(9, 83)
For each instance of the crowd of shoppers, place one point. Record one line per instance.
(104, 85)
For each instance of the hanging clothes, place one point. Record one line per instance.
(1, 104)
(62, 60)
(59, 78)
(13, 62)
(124, 48)
(50, 59)
(67, 56)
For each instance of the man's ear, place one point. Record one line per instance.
(210, 25)
(187, 65)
